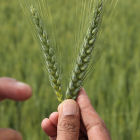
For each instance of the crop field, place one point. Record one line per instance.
(113, 84)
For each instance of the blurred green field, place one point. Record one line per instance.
(113, 86)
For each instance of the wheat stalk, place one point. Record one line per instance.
(83, 60)
(49, 55)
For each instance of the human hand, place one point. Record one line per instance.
(75, 121)
(14, 90)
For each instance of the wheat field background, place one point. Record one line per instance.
(113, 85)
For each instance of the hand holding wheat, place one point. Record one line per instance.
(75, 120)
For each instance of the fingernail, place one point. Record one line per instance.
(21, 84)
(69, 109)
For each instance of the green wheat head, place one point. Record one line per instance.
(48, 54)
(84, 57)
(82, 63)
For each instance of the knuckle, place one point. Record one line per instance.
(98, 124)
(68, 126)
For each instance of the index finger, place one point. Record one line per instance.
(94, 125)
(15, 90)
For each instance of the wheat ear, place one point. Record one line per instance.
(84, 57)
(49, 55)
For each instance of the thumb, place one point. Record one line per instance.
(68, 121)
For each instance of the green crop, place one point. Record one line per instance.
(112, 85)
(83, 60)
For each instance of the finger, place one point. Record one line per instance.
(54, 118)
(93, 123)
(68, 121)
(12, 89)
(49, 128)
(9, 134)
(50, 124)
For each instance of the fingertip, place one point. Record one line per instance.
(23, 90)
(13, 89)
(82, 92)
(66, 105)
(9, 134)
(44, 123)
(54, 118)
(82, 97)
(48, 127)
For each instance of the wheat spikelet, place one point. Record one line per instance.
(49, 56)
(83, 60)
